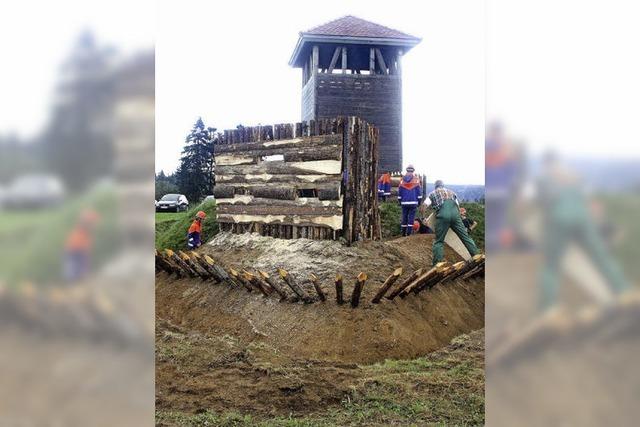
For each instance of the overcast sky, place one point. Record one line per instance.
(36, 36)
(566, 74)
(227, 62)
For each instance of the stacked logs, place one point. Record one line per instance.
(314, 180)
(291, 289)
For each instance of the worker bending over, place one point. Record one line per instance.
(409, 196)
(194, 236)
(384, 186)
(445, 204)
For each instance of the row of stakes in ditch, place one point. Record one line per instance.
(204, 267)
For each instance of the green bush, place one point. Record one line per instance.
(172, 233)
(390, 216)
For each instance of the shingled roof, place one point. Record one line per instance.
(351, 30)
(352, 26)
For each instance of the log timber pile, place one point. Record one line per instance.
(315, 180)
(289, 289)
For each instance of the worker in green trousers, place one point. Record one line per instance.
(445, 203)
(567, 219)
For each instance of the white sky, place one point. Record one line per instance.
(36, 36)
(227, 62)
(566, 74)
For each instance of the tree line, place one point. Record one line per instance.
(195, 175)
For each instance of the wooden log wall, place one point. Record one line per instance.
(284, 286)
(296, 180)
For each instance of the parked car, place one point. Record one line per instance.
(34, 191)
(172, 202)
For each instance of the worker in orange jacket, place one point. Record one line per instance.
(194, 235)
(384, 186)
(78, 246)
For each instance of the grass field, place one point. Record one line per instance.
(442, 388)
(32, 241)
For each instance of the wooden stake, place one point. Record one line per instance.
(422, 278)
(387, 284)
(183, 265)
(289, 280)
(240, 279)
(316, 284)
(357, 290)
(265, 276)
(339, 297)
(251, 279)
(406, 282)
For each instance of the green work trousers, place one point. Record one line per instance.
(448, 216)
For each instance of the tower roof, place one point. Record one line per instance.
(352, 30)
(356, 27)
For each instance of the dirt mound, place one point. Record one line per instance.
(372, 332)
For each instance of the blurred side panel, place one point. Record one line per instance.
(563, 196)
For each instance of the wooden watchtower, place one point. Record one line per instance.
(351, 67)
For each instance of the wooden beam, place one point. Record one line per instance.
(381, 62)
(315, 55)
(344, 60)
(334, 60)
(372, 61)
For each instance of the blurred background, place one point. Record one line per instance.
(562, 199)
(76, 213)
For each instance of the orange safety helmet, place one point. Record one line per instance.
(201, 215)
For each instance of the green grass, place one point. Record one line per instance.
(171, 228)
(444, 388)
(32, 241)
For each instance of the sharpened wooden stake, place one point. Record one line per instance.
(240, 279)
(164, 264)
(357, 290)
(265, 276)
(183, 265)
(387, 284)
(194, 266)
(219, 271)
(424, 277)
(406, 282)
(339, 296)
(286, 277)
(442, 270)
(250, 278)
(316, 284)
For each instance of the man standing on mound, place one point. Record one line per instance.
(445, 204)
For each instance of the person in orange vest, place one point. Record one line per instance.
(79, 245)
(409, 197)
(194, 235)
(384, 186)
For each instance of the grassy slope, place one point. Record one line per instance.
(171, 228)
(445, 387)
(32, 241)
